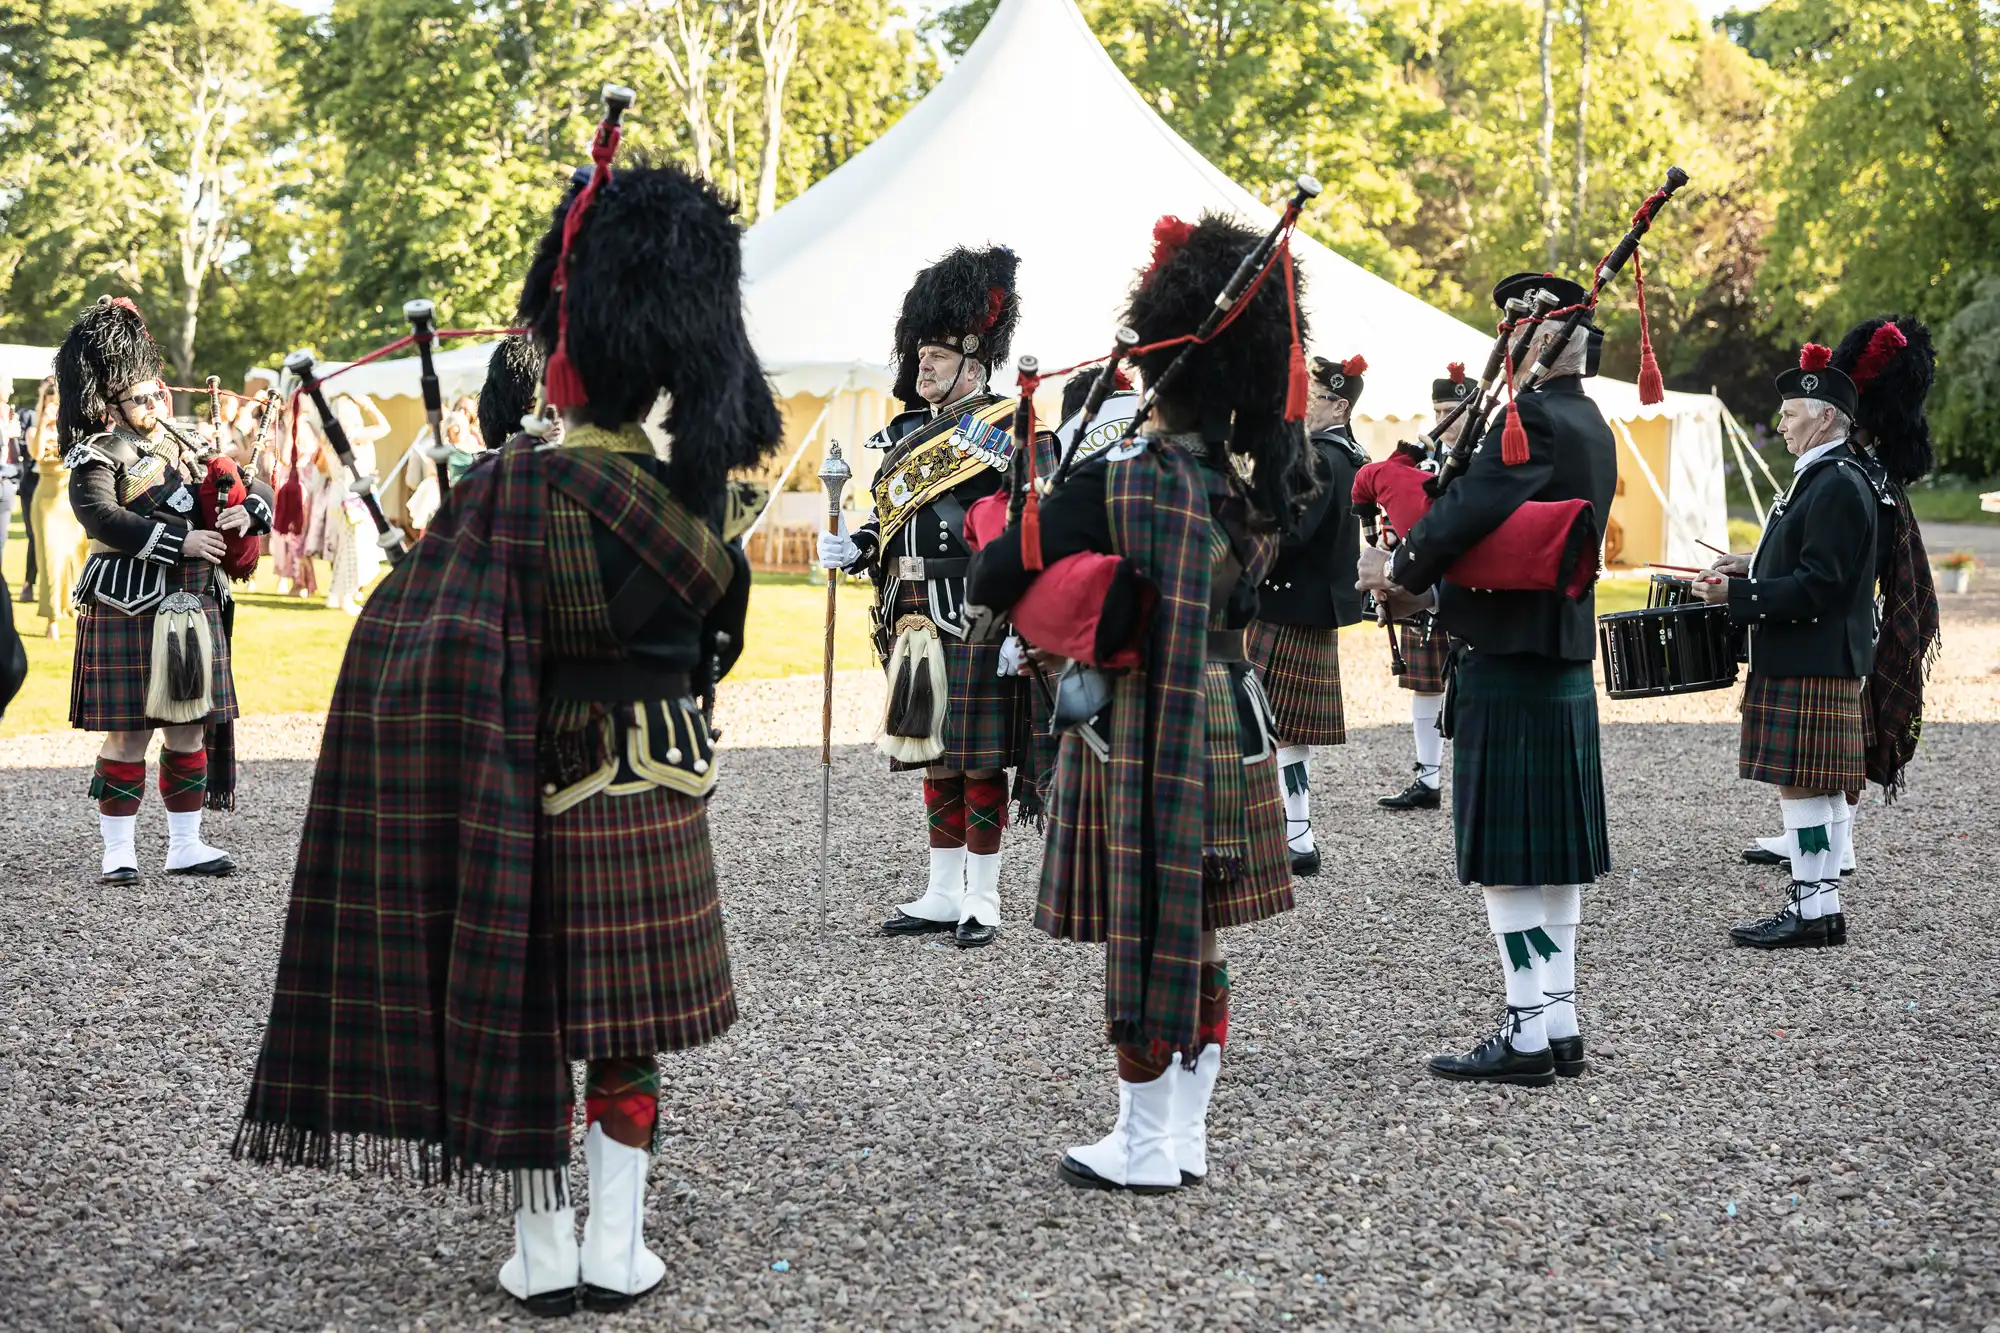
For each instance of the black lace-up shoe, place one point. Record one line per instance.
(1836, 930)
(1568, 1055)
(904, 924)
(1786, 930)
(1496, 1061)
(1416, 796)
(1305, 864)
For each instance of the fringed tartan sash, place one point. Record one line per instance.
(1158, 509)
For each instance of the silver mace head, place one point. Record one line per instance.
(834, 473)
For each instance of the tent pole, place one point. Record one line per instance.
(1749, 487)
(1653, 482)
(1730, 421)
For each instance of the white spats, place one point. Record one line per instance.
(545, 1253)
(982, 889)
(1138, 1153)
(185, 849)
(1562, 905)
(1519, 923)
(1424, 712)
(120, 833)
(1193, 1090)
(615, 1258)
(1295, 773)
(944, 900)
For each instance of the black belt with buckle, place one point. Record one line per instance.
(926, 569)
(1226, 645)
(612, 681)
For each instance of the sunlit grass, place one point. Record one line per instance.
(287, 650)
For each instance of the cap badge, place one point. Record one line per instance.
(1809, 382)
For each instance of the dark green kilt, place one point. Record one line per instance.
(1246, 868)
(642, 963)
(1424, 658)
(1300, 668)
(986, 720)
(1803, 731)
(114, 659)
(1527, 791)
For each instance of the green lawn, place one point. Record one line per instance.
(287, 650)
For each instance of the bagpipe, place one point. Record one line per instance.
(1543, 546)
(389, 537)
(1093, 607)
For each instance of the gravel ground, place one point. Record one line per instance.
(1770, 1142)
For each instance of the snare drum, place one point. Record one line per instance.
(1677, 648)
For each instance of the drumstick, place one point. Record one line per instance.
(1706, 547)
(1678, 569)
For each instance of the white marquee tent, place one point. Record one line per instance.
(1035, 140)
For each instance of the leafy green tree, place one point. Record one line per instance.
(144, 142)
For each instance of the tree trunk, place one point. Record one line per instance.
(778, 44)
(1549, 220)
(1582, 121)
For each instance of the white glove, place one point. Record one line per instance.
(836, 549)
(1011, 654)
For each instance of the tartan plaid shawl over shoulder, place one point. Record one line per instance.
(414, 1023)
(1158, 508)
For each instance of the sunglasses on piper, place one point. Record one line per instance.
(146, 398)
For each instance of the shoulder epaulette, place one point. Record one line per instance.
(90, 450)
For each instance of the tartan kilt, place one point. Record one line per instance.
(642, 964)
(1803, 731)
(1527, 791)
(986, 720)
(1300, 668)
(1247, 869)
(114, 659)
(1424, 660)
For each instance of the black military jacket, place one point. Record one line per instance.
(1571, 455)
(1312, 583)
(1810, 597)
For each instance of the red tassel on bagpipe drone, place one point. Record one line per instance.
(564, 385)
(1513, 436)
(288, 506)
(1296, 383)
(1652, 386)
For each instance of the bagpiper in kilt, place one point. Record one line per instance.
(1305, 599)
(1893, 363)
(1807, 596)
(167, 529)
(1167, 824)
(1423, 644)
(954, 711)
(506, 866)
(1527, 783)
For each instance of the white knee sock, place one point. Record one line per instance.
(1424, 711)
(1295, 772)
(1809, 821)
(1516, 918)
(1562, 905)
(1842, 854)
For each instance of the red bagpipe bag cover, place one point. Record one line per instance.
(220, 488)
(1063, 611)
(1544, 546)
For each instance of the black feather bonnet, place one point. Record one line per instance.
(656, 306)
(106, 351)
(1236, 385)
(967, 302)
(1893, 364)
(509, 392)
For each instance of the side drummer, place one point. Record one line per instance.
(1808, 596)
(1423, 643)
(1309, 594)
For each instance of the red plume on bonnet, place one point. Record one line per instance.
(1882, 348)
(1457, 372)
(996, 301)
(1169, 235)
(1814, 357)
(1354, 365)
